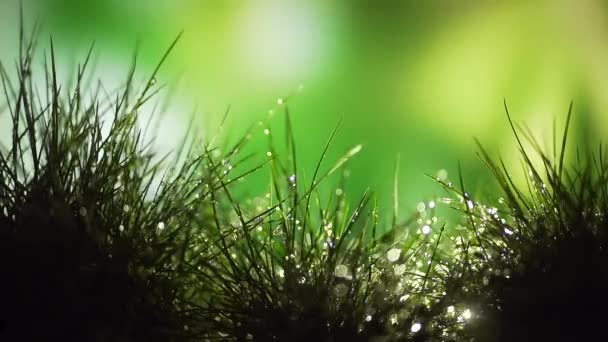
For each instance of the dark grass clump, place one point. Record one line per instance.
(93, 227)
(101, 241)
(539, 270)
(301, 266)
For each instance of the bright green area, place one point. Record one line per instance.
(408, 78)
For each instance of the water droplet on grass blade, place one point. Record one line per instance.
(341, 271)
(399, 269)
(426, 229)
(470, 204)
(442, 175)
(393, 254)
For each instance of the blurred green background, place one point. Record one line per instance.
(412, 79)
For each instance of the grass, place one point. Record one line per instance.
(102, 239)
(539, 268)
(92, 235)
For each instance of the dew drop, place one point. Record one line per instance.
(442, 175)
(416, 327)
(82, 211)
(341, 271)
(399, 269)
(426, 229)
(266, 131)
(393, 254)
(470, 204)
(160, 226)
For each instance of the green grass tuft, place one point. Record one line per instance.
(102, 239)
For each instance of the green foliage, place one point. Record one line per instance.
(101, 239)
(92, 235)
(538, 270)
(108, 243)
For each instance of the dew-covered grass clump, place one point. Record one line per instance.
(295, 266)
(93, 230)
(539, 271)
